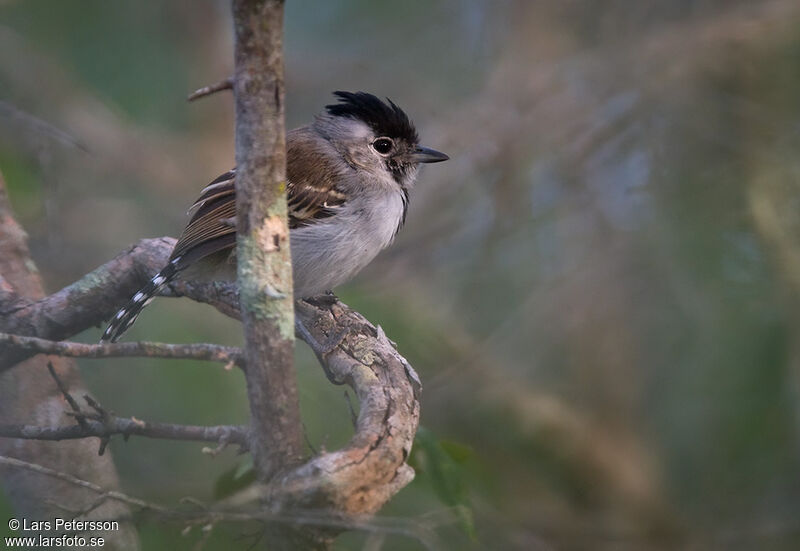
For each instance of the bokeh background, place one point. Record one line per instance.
(600, 290)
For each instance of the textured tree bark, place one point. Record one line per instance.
(28, 395)
(264, 261)
(342, 484)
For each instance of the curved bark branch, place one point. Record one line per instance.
(371, 468)
(358, 478)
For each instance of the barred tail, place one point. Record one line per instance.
(127, 315)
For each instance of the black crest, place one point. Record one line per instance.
(385, 120)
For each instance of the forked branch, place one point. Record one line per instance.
(358, 478)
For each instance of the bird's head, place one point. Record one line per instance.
(375, 136)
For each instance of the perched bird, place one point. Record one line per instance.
(349, 176)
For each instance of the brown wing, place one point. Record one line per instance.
(308, 202)
(311, 195)
(312, 171)
(212, 227)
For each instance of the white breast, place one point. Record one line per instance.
(333, 250)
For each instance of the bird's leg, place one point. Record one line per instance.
(325, 300)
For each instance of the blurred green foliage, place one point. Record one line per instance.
(440, 462)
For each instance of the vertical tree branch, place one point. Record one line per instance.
(264, 262)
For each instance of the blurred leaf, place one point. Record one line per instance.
(235, 479)
(458, 452)
(442, 464)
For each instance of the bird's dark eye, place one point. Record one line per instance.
(383, 145)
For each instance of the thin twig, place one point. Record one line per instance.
(67, 396)
(104, 416)
(40, 126)
(213, 452)
(96, 427)
(308, 441)
(74, 480)
(195, 351)
(226, 84)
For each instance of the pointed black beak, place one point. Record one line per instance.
(428, 155)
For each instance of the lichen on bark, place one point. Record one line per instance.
(265, 273)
